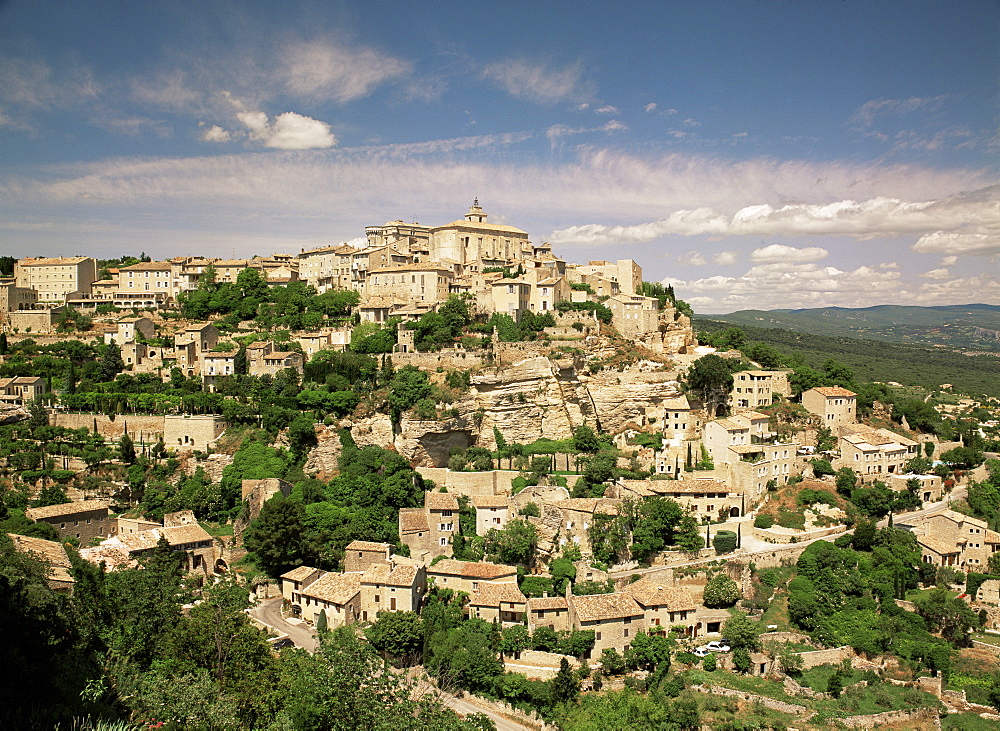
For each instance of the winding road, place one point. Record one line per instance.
(269, 613)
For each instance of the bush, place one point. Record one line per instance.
(724, 541)
(763, 521)
(721, 591)
(709, 663)
(531, 509)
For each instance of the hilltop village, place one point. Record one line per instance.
(515, 476)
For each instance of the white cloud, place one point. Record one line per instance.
(948, 261)
(538, 83)
(692, 258)
(871, 110)
(782, 253)
(725, 258)
(328, 70)
(692, 122)
(936, 274)
(607, 109)
(959, 242)
(888, 265)
(215, 133)
(651, 107)
(615, 125)
(290, 131)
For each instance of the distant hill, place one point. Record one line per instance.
(962, 327)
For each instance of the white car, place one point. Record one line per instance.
(716, 646)
(700, 651)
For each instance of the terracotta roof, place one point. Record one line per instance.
(147, 266)
(175, 536)
(57, 261)
(51, 552)
(482, 226)
(377, 574)
(300, 573)
(589, 505)
(471, 569)
(114, 558)
(606, 606)
(334, 588)
(937, 545)
(730, 424)
(403, 575)
(411, 521)
(367, 546)
(547, 602)
(64, 509)
(652, 594)
(492, 595)
(491, 501)
(440, 501)
(678, 403)
(833, 391)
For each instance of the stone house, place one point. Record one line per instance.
(53, 554)
(664, 606)
(510, 297)
(704, 497)
(22, 390)
(492, 511)
(55, 278)
(297, 579)
(734, 431)
(42, 320)
(278, 360)
(753, 389)
(949, 538)
(83, 520)
(502, 603)
(429, 530)
(679, 423)
(748, 468)
(420, 282)
(359, 556)
(931, 487)
(578, 516)
(188, 433)
(549, 611)
(14, 298)
(216, 366)
(623, 272)
(875, 453)
(634, 314)
(191, 540)
(147, 277)
(468, 576)
(392, 588)
(339, 595)
(129, 328)
(205, 336)
(614, 618)
(834, 405)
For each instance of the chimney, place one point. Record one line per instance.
(545, 595)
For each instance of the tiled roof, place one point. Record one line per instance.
(471, 569)
(411, 521)
(300, 573)
(492, 595)
(51, 552)
(367, 546)
(377, 574)
(547, 602)
(175, 536)
(487, 226)
(440, 501)
(57, 261)
(334, 588)
(491, 501)
(64, 509)
(730, 424)
(403, 575)
(937, 545)
(606, 606)
(834, 391)
(651, 594)
(114, 558)
(147, 266)
(589, 505)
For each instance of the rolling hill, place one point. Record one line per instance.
(961, 327)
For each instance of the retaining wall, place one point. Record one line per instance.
(141, 427)
(771, 703)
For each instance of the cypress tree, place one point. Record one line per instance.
(321, 624)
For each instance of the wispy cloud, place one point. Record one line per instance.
(329, 70)
(539, 83)
(870, 111)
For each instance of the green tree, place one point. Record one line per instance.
(847, 480)
(515, 543)
(585, 440)
(835, 684)
(399, 634)
(708, 374)
(514, 639)
(741, 659)
(648, 651)
(721, 591)
(126, 449)
(279, 537)
(565, 686)
(724, 541)
(742, 632)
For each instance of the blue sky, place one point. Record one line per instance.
(755, 154)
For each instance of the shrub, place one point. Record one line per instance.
(724, 541)
(709, 663)
(763, 521)
(721, 591)
(532, 510)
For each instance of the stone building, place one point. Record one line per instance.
(299, 578)
(500, 603)
(359, 556)
(128, 329)
(948, 538)
(614, 618)
(339, 595)
(738, 430)
(192, 541)
(624, 272)
(83, 520)
(549, 611)
(753, 389)
(395, 587)
(22, 390)
(14, 298)
(930, 487)
(467, 576)
(428, 531)
(704, 497)
(578, 517)
(53, 554)
(146, 279)
(634, 314)
(55, 278)
(874, 453)
(834, 405)
(189, 433)
(664, 606)
(492, 511)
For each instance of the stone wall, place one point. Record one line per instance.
(779, 536)
(889, 717)
(141, 427)
(831, 656)
(495, 482)
(771, 703)
(448, 359)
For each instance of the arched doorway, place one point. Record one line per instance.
(734, 512)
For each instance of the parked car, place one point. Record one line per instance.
(700, 651)
(718, 646)
(283, 643)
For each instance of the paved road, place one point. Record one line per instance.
(465, 707)
(269, 612)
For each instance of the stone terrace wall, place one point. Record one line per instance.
(831, 656)
(771, 703)
(447, 359)
(141, 427)
(495, 482)
(881, 719)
